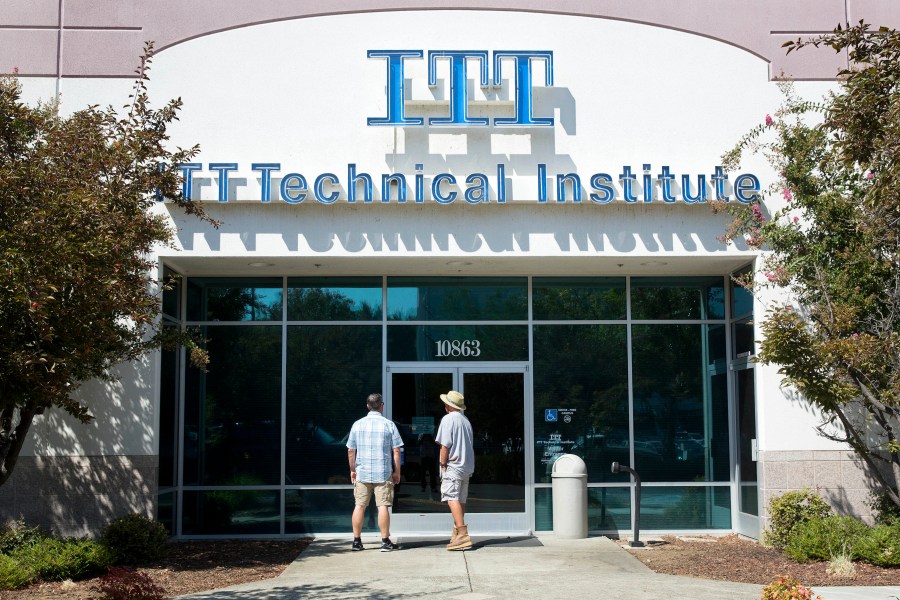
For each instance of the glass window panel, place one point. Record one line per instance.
(746, 390)
(680, 405)
(171, 294)
(457, 342)
(741, 297)
(227, 512)
(324, 511)
(334, 299)
(457, 298)
(165, 511)
(234, 299)
(561, 298)
(668, 508)
(168, 416)
(581, 373)
(609, 509)
(331, 369)
(233, 412)
(743, 338)
(677, 298)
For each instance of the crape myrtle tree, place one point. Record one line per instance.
(834, 248)
(76, 235)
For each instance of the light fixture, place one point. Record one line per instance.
(257, 265)
(458, 263)
(654, 263)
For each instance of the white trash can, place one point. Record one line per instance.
(569, 476)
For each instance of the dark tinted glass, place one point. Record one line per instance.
(560, 298)
(680, 406)
(325, 511)
(609, 509)
(334, 299)
(743, 338)
(231, 512)
(457, 298)
(171, 294)
(234, 299)
(457, 342)
(581, 398)
(672, 298)
(741, 298)
(233, 412)
(168, 414)
(330, 372)
(670, 508)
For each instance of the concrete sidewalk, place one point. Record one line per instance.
(499, 567)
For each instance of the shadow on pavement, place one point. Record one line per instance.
(321, 592)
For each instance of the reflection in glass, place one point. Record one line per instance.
(679, 404)
(171, 294)
(417, 410)
(334, 299)
(495, 403)
(580, 371)
(330, 372)
(475, 343)
(568, 298)
(168, 415)
(165, 511)
(226, 512)
(743, 338)
(746, 401)
(672, 298)
(457, 298)
(667, 508)
(323, 511)
(234, 299)
(233, 412)
(609, 509)
(741, 297)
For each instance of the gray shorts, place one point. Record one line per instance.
(455, 488)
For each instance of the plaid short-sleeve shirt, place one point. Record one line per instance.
(374, 439)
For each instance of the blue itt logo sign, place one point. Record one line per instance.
(551, 415)
(520, 61)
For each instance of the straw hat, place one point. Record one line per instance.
(454, 399)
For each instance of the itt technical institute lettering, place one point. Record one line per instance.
(633, 185)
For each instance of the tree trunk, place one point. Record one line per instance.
(12, 437)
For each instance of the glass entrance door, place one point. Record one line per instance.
(495, 401)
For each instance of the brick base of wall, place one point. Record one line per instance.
(838, 476)
(79, 495)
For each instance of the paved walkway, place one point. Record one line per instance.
(501, 567)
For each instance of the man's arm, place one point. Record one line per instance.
(444, 457)
(351, 458)
(395, 475)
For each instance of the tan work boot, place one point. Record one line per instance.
(453, 537)
(462, 541)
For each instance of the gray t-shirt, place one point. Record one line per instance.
(455, 432)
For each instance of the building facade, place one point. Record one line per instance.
(496, 197)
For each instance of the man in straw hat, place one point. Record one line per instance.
(373, 450)
(457, 463)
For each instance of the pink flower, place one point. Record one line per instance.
(796, 219)
(870, 175)
(855, 335)
(15, 70)
(769, 275)
(787, 194)
(769, 120)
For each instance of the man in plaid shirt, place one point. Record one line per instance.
(373, 450)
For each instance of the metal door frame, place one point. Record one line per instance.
(439, 524)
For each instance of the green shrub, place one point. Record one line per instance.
(825, 538)
(17, 534)
(13, 574)
(58, 559)
(135, 539)
(886, 512)
(790, 510)
(882, 546)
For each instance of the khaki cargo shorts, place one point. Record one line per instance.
(384, 493)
